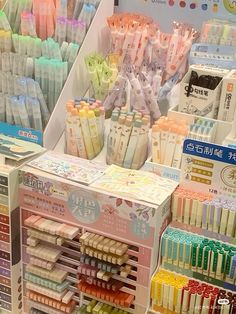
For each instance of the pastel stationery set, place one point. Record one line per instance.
(39, 43)
(85, 249)
(176, 293)
(84, 132)
(127, 144)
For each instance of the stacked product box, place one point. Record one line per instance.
(13, 154)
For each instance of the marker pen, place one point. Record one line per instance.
(125, 135)
(214, 261)
(86, 134)
(231, 223)
(117, 137)
(187, 210)
(156, 144)
(228, 267)
(177, 158)
(171, 144)
(132, 143)
(205, 209)
(94, 131)
(141, 150)
(79, 135)
(206, 260)
(199, 213)
(224, 219)
(198, 304)
(220, 265)
(194, 212)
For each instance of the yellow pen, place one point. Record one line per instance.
(94, 134)
(86, 134)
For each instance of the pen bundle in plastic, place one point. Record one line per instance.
(168, 137)
(13, 63)
(127, 144)
(28, 26)
(23, 103)
(188, 251)
(73, 28)
(139, 38)
(35, 48)
(204, 211)
(102, 73)
(142, 90)
(219, 32)
(179, 294)
(51, 75)
(79, 4)
(14, 10)
(84, 132)
(69, 31)
(44, 12)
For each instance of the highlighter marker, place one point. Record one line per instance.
(224, 219)
(86, 134)
(94, 132)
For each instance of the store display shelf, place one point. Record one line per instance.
(222, 131)
(203, 232)
(128, 310)
(198, 276)
(77, 83)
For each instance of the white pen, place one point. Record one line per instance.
(37, 120)
(14, 109)
(24, 117)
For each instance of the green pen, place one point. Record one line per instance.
(169, 250)
(206, 260)
(200, 257)
(220, 264)
(214, 259)
(223, 265)
(194, 256)
(228, 264)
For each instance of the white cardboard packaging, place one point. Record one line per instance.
(201, 101)
(228, 97)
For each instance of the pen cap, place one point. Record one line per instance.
(82, 113)
(121, 120)
(156, 128)
(128, 121)
(90, 114)
(97, 112)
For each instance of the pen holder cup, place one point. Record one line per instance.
(130, 153)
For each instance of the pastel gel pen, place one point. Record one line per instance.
(86, 134)
(94, 131)
(224, 219)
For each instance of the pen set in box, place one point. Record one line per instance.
(175, 293)
(168, 136)
(84, 133)
(204, 211)
(201, 256)
(60, 262)
(219, 32)
(127, 144)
